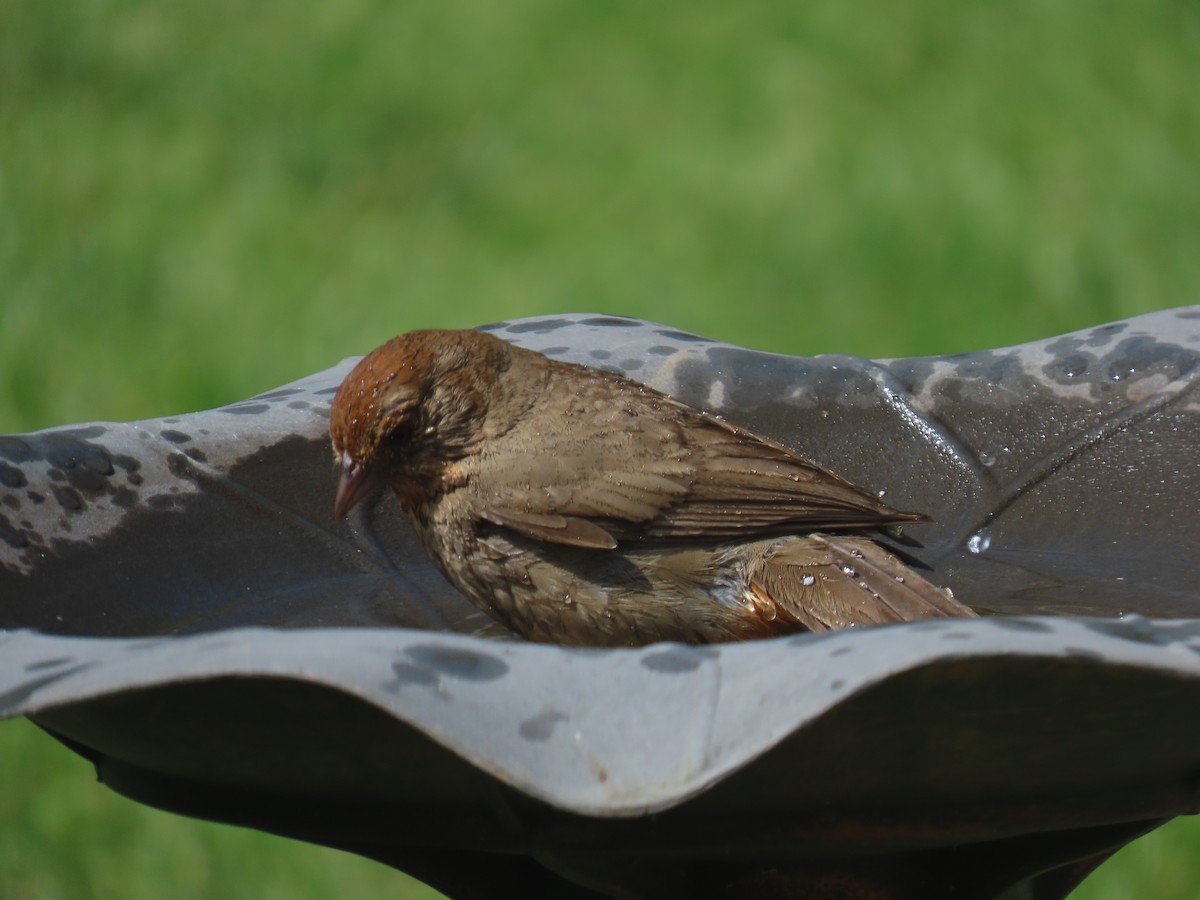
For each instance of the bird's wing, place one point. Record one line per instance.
(635, 464)
(835, 581)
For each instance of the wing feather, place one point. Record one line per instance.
(641, 466)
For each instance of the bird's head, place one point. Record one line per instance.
(407, 409)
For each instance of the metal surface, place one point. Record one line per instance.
(183, 610)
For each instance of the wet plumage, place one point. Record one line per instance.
(580, 507)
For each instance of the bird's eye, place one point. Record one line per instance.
(402, 430)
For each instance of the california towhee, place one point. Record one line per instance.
(580, 507)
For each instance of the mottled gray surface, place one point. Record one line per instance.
(211, 520)
(622, 732)
(177, 599)
(1067, 464)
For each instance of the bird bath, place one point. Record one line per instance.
(179, 607)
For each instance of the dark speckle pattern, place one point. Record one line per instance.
(537, 326)
(69, 491)
(1145, 355)
(12, 477)
(16, 450)
(65, 450)
(407, 673)
(1067, 367)
(611, 322)
(12, 536)
(126, 463)
(684, 336)
(124, 498)
(464, 664)
(279, 394)
(88, 480)
(77, 472)
(1103, 334)
(180, 466)
(1104, 360)
(68, 498)
(541, 726)
(676, 660)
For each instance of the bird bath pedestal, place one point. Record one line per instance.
(179, 607)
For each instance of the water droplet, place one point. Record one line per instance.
(880, 494)
(807, 580)
(849, 570)
(900, 578)
(979, 541)
(986, 458)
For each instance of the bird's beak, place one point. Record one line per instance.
(357, 483)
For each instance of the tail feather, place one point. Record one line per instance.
(824, 581)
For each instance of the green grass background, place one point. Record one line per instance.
(202, 200)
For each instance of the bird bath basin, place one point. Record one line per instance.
(179, 607)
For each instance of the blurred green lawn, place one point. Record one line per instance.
(202, 200)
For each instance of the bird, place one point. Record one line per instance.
(579, 507)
